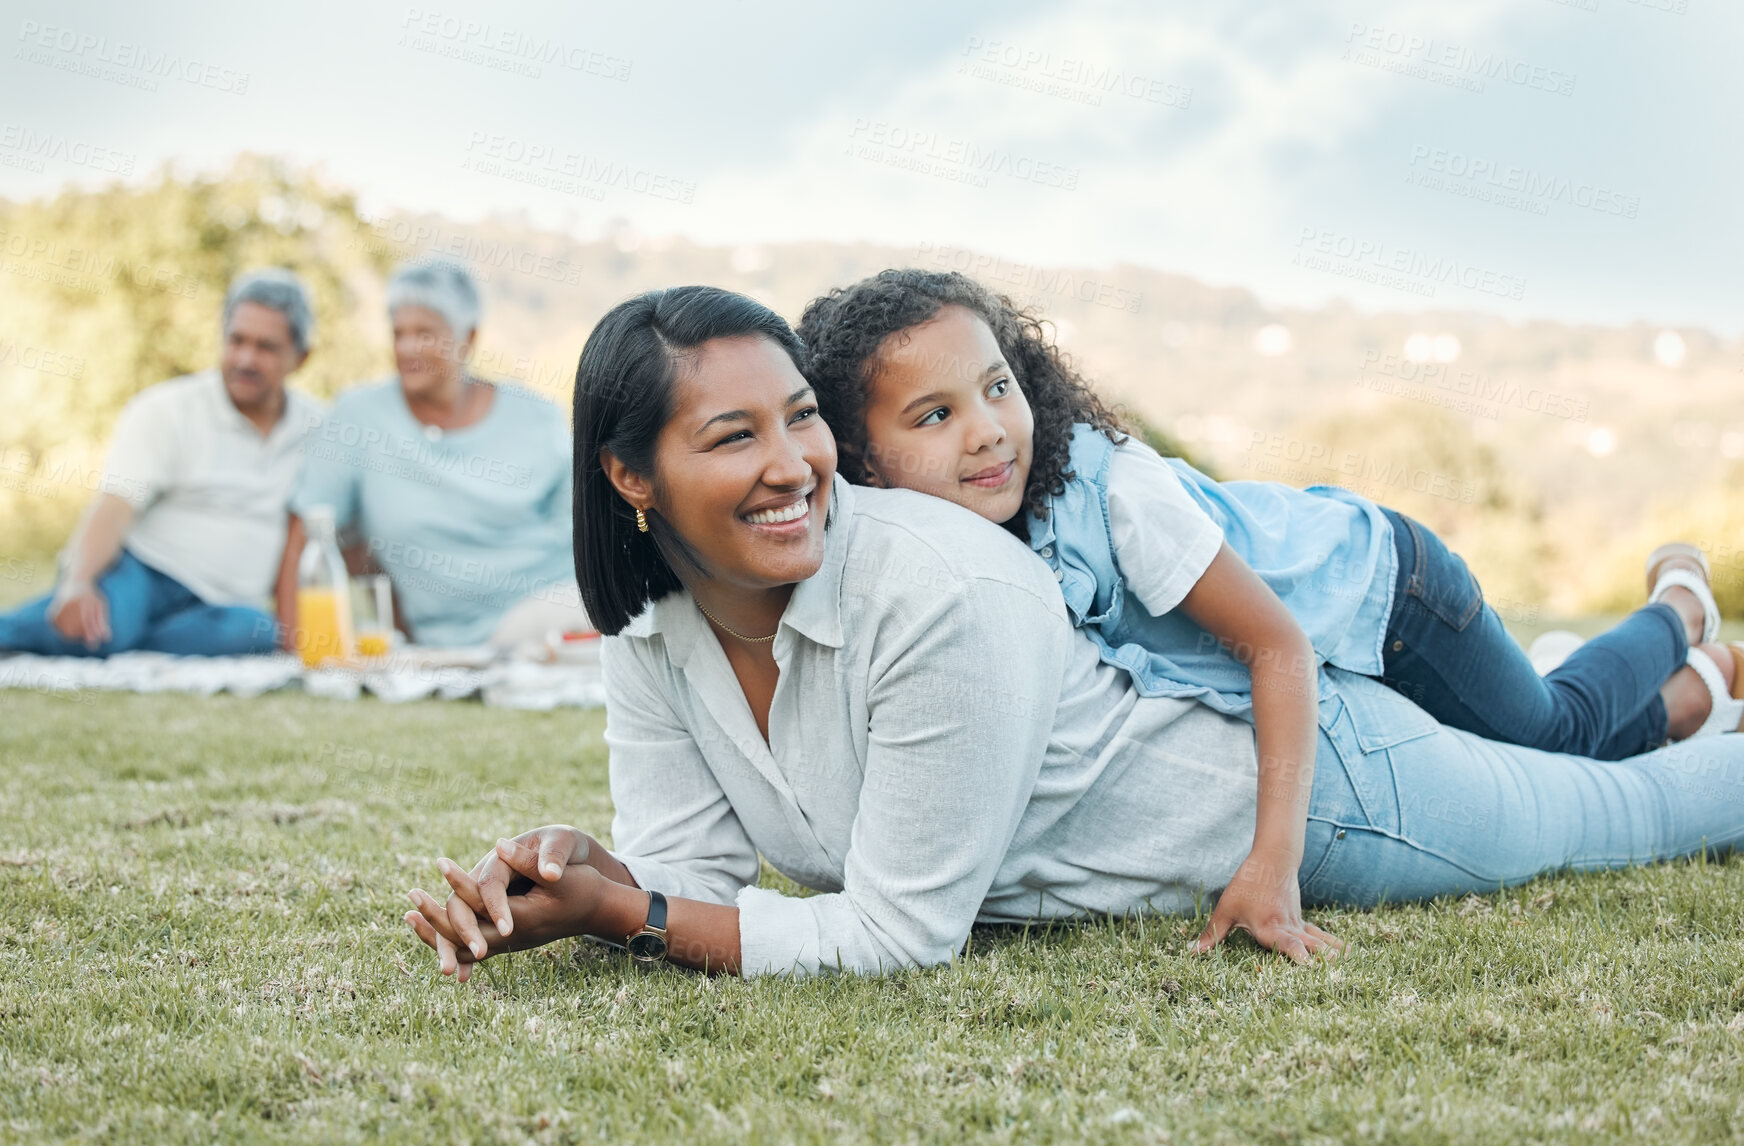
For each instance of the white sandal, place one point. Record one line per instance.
(1727, 711)
(1659, 580)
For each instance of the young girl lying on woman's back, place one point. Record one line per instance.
(1236, 592)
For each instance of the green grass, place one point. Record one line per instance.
(200, 940)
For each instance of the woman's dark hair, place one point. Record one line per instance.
(623, 397)
(845, 330)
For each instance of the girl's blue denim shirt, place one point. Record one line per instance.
(1326, 552)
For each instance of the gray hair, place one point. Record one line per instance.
(281, 290)
(441, 285)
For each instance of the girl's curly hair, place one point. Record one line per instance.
(846, 329)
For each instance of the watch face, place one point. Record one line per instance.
(647, 947)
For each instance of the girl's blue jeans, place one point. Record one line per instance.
(149, 611)
(1449, 652)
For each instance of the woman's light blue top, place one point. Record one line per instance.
(465, 522)
(1133, 532)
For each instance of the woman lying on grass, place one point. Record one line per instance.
(883, 694)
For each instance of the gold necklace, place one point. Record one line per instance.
(735, 632)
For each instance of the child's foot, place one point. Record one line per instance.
(1677, 574)
(1703, 697)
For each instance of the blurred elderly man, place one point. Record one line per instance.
(180, 547)
(459, 488)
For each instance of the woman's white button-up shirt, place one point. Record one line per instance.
(944, 748)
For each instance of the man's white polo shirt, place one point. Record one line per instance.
(208, 490)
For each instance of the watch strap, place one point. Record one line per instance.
(656, 912)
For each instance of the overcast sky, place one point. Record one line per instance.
(1575, 159)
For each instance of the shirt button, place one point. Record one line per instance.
(1059, 574)
(1340, 834)
(1398, 645)
(1047, 551)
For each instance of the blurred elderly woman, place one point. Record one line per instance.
(458, 488)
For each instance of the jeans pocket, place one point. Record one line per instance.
(1373, 722)
(1379, 716)
(1440, 582)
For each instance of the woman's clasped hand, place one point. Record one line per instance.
(525, 892)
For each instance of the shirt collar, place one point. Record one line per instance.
(1040, 529)
(814, 611)
(227, 411)
(237, 420)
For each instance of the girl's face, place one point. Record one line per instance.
(945, 416)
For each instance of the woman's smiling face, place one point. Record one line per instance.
(945, 416)
(743, 466)
(426, 353)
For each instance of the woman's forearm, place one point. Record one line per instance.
(702, 936)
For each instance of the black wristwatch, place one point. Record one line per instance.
(648, 946)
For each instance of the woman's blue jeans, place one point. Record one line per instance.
(1403, 808)
(148, 611)
(1449, 651)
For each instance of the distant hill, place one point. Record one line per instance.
(1550, 453)
(1536, 446)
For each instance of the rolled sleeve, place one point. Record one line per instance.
(1163, 540)
(960, 718)
(672, 825)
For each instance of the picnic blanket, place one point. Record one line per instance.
(573, 680)
(408, 674)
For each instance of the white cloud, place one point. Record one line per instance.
(1200, 188)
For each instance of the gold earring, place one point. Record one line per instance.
(641, 522)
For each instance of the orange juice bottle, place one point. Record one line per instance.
(323, 593)
(375, 623)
